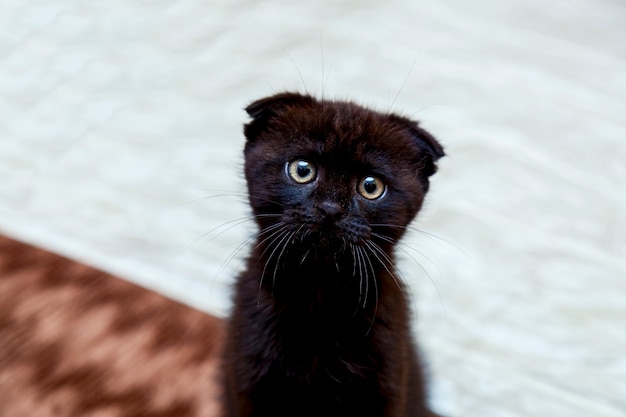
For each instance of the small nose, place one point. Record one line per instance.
(329, 209)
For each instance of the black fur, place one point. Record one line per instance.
(320, 324)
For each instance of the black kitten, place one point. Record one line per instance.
(320, 325)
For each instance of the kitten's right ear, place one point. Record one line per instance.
(263, 110)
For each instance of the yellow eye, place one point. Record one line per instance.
(371, 188)
(301, 171)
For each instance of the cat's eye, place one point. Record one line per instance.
(301, 171)
(371, 187)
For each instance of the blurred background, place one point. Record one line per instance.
(121, 146)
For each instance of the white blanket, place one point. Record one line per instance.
(120, 145)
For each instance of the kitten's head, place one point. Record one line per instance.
(334, 173)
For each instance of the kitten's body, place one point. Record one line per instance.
(320, 325)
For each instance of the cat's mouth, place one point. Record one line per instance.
(332, 239)
(325, 241)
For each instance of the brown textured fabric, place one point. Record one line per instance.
(75, 341)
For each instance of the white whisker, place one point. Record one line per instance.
(244, 245)
(279, 236)
(375, 293)
(401, 247)
(376, 250)
(280, 255)
(437, 239)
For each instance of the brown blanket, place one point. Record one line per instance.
(75, 341)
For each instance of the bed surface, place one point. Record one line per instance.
(121, 139)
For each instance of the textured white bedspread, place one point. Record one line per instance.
(120, 144)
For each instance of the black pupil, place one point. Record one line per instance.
(303, 169)
(369, 185)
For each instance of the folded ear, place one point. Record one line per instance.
(263, 110)
(432, 149)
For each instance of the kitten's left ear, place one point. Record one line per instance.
(427, 142)
(263, 110)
